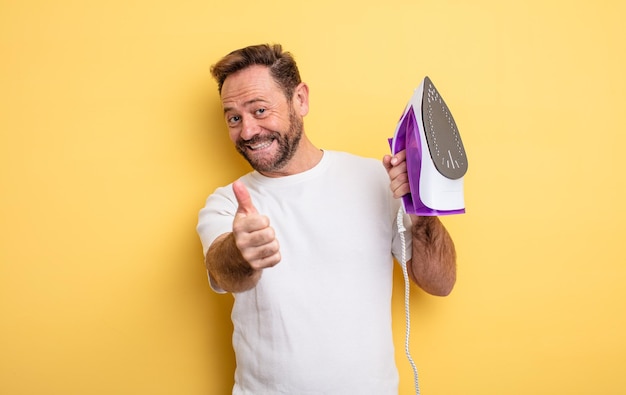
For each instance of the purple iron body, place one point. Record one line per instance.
(436, 159)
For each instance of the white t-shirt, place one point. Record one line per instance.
(319, 322)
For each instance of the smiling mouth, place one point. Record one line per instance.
(260, 145)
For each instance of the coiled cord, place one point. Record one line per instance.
(407, 283)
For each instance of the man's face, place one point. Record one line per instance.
(262, 123)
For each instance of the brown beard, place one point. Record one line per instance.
(287, 145)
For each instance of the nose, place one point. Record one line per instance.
(249, 127)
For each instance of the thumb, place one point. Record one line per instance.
(243, 198)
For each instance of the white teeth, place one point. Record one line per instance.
(262, 145)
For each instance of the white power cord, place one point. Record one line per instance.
(407, 312)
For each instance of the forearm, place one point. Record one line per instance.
(433, 264)
(227, 266)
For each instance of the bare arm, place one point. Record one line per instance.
(228, 268)
(236, 259)
(433, 263)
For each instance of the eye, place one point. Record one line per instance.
(233, 120)
(260, 111)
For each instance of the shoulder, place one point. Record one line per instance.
(350, 158)
(224, 196)
(361, 164)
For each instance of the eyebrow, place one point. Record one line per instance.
(245, 104)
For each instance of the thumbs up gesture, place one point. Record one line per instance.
(254, 237)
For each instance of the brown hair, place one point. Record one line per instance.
(282, 65)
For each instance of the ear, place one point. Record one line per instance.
(301, 99)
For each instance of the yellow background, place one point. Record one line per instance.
(111, 138)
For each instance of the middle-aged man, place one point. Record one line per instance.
(305, 243)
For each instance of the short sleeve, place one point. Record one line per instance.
(215, 219)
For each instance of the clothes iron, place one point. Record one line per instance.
(435, 156)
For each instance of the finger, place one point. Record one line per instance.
(390, 161)
(401, 190)
(400, 186)
(398, 158)
(398, 170)
(243, 199)
(387, 162)
(263, 257)
(255, 237)
(271, 260)
(244, 225)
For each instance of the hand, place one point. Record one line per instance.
(254, 237)
(397, 170)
